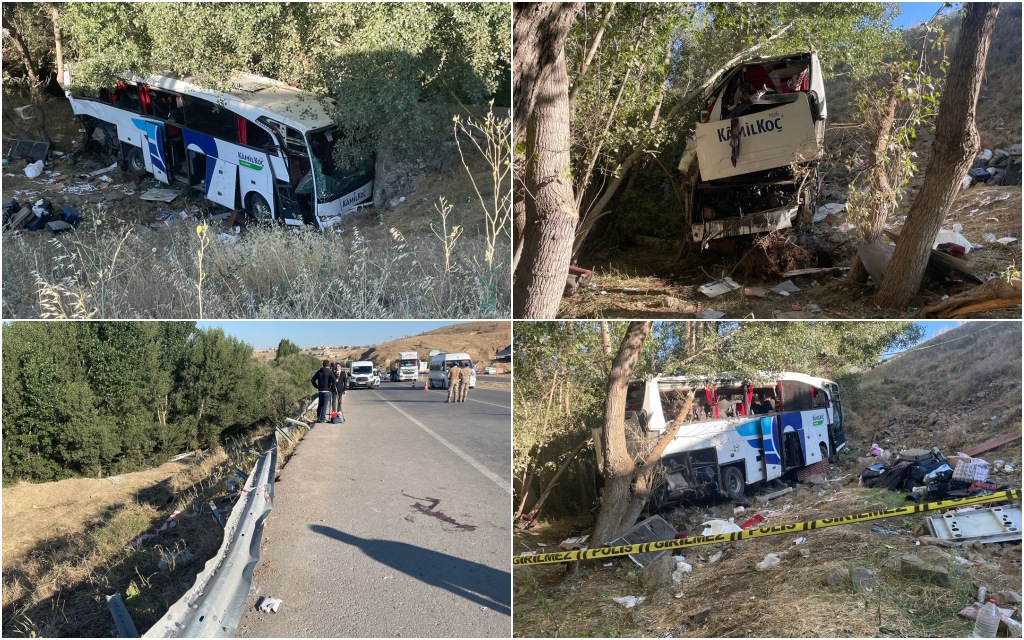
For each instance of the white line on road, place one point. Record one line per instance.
(476, 465)
(500, 406)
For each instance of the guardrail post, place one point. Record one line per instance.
(285, 435)
(241, 474)
(123, 620)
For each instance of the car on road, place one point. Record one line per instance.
(439, 365)
(490, 371)
(361, 374)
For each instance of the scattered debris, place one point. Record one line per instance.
(100, 172)
(652, 529)
(711, 314)
(785, 288)
(888, 532)
(175, 559)
(34, 169)
(268, 604)
(994, 294)
(754, 292)
(765, 499)
(578, 542)
(995, 524)
(719, 287)
(159, 195)
(770, 560)
(630, 601)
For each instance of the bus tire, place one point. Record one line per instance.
(258, 208)
(732, 482)
(136, 161)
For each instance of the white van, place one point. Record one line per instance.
(440, 364)
(360, 374)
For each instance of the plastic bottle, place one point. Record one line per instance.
(987, 622)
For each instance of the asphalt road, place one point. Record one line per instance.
(393, 524)
(483, 377)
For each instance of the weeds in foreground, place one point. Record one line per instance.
(496, 149)
(139, 272)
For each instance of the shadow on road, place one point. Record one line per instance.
(473, 581)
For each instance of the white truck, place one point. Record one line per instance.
(738, 433)
(408, 367)
(753, 161)
(360, 374)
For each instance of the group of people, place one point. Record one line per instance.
(458, 382)
(330, 383)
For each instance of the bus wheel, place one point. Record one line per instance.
(259, 209)
(732, 483)
(136, 162)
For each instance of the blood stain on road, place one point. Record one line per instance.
(430, 511)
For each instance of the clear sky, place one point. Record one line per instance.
(914, 13)
(266, 334)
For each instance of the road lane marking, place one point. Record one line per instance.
(476, 465)
(500, 406)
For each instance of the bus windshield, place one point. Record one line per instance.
(332, 181)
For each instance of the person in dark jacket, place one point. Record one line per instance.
(340, 382)
(323, 380)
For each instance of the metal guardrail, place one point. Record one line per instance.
(215, 603)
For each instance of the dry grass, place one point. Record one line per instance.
(731, 599)
(54, 582)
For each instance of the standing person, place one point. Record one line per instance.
(323, 380)
(340, 383)
(454, 376)
(464, 383)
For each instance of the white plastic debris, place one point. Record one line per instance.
(630, 601)
(34, 170)
(826, 210)
(945, 235)
(719, 287)
(268, 604)
(711, 314)
(800, 540)
(770, 560)
(715, 527)
(100, 172)
(1007, 240)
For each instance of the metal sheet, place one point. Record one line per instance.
(31, 150)
(123, 619)
(996, 524)
(652, 529)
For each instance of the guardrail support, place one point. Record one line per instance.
(243, 475)
(216, 513)
(123, 620)
(297, 422)
(285, 435)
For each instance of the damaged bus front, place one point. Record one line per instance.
(754, 160)
(738, 433)
(262, 146)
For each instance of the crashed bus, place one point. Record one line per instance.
(754, 159)
(733, 440)
(263, 146)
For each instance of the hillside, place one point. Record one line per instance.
(481, 340)
(958, 389)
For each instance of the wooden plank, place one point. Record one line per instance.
(994, 443)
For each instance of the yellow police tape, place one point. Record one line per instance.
(629, 549)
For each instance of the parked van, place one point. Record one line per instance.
(754, 158)
(732, 440)
(361, 375)
(439, 365)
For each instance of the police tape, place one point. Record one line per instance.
(665, 545)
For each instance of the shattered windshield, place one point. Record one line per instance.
(332, 181)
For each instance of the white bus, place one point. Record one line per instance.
(733, 439)
(439, 365)
(263, 147)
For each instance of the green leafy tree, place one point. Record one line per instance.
(286, 348)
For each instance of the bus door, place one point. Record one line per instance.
(154, 136)
(836, 431)
(771, 462)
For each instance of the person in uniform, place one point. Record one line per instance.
(464, 383)
(454, 378)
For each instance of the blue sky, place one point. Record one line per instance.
(914, 13)
(265, 334)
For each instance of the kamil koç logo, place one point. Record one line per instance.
(770, 124)
(250, 161)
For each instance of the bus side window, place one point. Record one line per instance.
(253, 135)
(209, 118)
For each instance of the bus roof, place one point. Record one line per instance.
(730, 378)
(253, 96)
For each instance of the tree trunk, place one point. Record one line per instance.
(550, 210)
(58, 44)
(539, 33)
(618, 465)
(956, 142)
